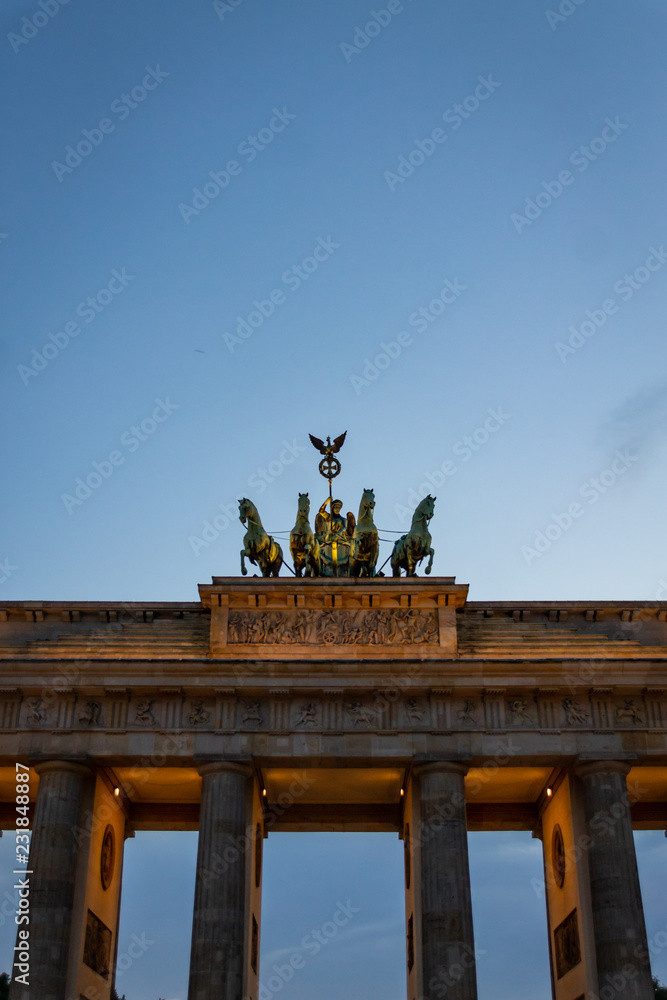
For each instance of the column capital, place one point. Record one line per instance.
(584, 768)
(231, 766)
(74, 767)
(433, 766)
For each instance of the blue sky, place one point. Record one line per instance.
(444, 233)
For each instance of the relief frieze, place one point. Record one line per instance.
(467, 714)
(628, 712)
(575, 713)
(199, 716)
(91, 714)
(299, 712)
(144, 712)
(252, 713)
(38, 713)
(334, 627)
(519, 712)
(307, 714)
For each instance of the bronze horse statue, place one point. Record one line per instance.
(303, 544)
(258, 547)
(365, 543)
(410, 549)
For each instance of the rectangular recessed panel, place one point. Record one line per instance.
(647, 784)
(160, 784)
(97, 946)
(505, 784)
(567, 945)
(335, 784)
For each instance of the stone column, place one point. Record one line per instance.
(217, 959)
(619, 931)
(446, 948)
(53, 863)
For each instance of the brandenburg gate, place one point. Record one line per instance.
(331, 701)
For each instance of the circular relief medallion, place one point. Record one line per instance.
(107, 857)
(558, 857)
(329, 467)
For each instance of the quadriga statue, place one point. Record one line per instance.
(303, 544)
(365, 542)
(411, 548)
(258, 546)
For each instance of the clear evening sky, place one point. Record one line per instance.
(439, 226)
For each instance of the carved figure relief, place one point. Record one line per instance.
(144, 712)
(558, 856)
(567, 945)
(307, 715)
(629, 711)
(334, 627)
(362, 716)
(252, 713)
(92, 713)
(97, 946)
(38, 712)
(107, 857)
(414, 711)
(519, 711)
(199, 716)
(467, 713)
(575, 713)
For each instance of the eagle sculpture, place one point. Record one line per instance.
(328, 448)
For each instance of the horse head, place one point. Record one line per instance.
(304, 504)
(367, 505)
(426, 508)
(246, 509)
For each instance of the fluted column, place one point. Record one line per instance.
(217, 960)
(619, 930)
(53, 863)
(447, 949)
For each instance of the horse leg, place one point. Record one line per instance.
(263, 560)
(271, 565)
(244, 569)
(276, 558)
(364, 557)
(431, 553)
(315, 559)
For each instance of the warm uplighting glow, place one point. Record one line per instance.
(550, 792)
(402, 792)
(264, 792)
(116, 792)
